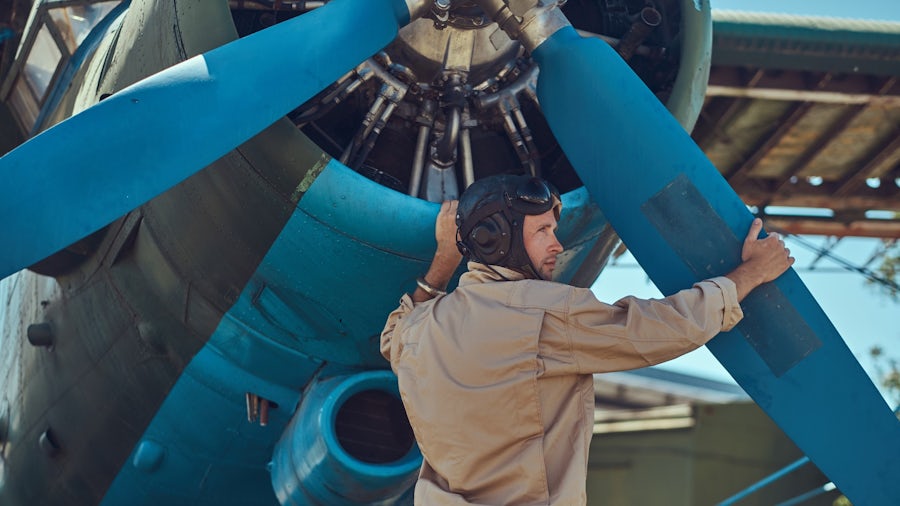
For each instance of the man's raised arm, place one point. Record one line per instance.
(446, 257)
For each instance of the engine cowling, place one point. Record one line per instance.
(348, 443)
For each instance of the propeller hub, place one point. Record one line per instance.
(454, 97)
(468, 43)
(529, 21)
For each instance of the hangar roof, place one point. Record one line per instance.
(802, 117)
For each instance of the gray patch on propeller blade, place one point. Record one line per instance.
(771, 323)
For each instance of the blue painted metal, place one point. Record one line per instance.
(202, 449)
(316, 304)
(84, 51)
(333, 275)
(689, 89)
(309, 465)
(279, 335)
(823, 400)
(148, 456)
(96, 180)
(580, 227)
(777, 475)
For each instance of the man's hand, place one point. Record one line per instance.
(445, 233)
(763, 260)
(447, 256)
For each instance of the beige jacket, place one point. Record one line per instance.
(496, 377)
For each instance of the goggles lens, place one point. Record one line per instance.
(534, 196)
(534, 191)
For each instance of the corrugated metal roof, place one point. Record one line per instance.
(806, 43)
(819, 23)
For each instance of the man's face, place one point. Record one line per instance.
(539, 236)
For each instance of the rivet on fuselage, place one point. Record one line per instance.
(48, 443)
(40, 334)
(148, 456)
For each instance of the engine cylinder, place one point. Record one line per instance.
(348, 443)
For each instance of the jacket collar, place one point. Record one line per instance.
(481, 273)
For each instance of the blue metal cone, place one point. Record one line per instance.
(683, 223)
(85, 172)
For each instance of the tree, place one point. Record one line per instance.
(888, 371)
(890, 268)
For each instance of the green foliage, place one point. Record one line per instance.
(888, 371)
(890, 269)
(842, 501)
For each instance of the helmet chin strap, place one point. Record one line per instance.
(527, 270)
(530, 271)
(537, 272)
(491, 267)
(519, 253)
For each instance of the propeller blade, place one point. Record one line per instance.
(683, 222)
(85, 172)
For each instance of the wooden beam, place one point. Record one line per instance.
(886, 149)
(803, 194)
(824, 97)
(786, 122)
(889, 229)
(826, 136)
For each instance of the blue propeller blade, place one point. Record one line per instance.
(85, 172)
(683, 222)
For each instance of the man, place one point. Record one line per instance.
(496, 377)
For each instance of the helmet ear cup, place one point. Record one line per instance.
(490, 239)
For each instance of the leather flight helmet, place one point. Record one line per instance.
(490, 216)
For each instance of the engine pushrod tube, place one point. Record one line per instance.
(425, 119)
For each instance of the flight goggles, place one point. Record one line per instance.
(534, 196)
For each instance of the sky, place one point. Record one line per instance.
(863, 316)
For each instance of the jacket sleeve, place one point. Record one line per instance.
(635, 333)
(390, 347)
